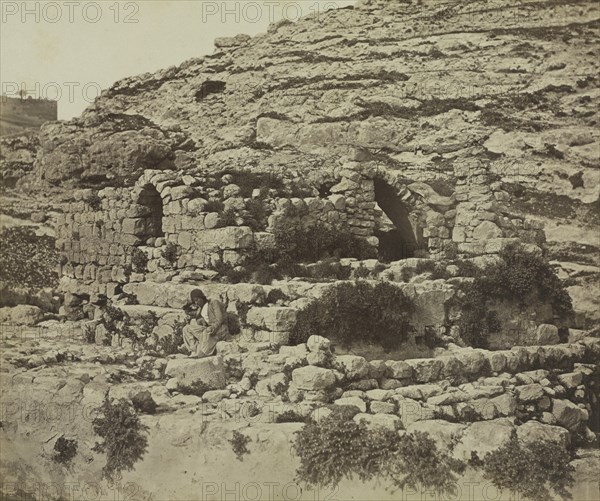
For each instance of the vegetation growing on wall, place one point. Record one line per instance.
(352, 312)
(337, 447)
(517, 276)
(532, 470)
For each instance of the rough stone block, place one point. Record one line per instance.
(189, 371)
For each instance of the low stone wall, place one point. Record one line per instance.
(434, 395)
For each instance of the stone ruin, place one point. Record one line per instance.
(399, 218)
(405, 223)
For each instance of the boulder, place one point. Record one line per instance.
(426, 370)
(443, 432)
(319, 358)
(273, 318)
(313, 378)
(22, 314)
(483, 437)
(318, 343)
(546, 334)
(379, 394)
(189, 371)
(385, 421)
(228, 238)
(352, 401)
(567, 413)
(411, 411)
(530, 392)
(354, 367)
(534, 430)
(486, 230)
(571, 380)
(505, 404)
(399, 370)
(378, 407)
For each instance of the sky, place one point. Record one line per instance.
(69, 50)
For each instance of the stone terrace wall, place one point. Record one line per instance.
(547, 387)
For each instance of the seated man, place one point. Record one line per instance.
(207, 327)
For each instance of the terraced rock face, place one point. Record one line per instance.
(431, 90)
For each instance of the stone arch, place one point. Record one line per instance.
(402, 239)
(151, 204)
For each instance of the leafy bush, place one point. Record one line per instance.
(290, 416)
(257, 215)
(139, 260)
(296, 242)
(239, 445)
(65, 450)
(171, 344)
(338, 448)
(228, 218)
(362, 272)
(148, 323)
(28, 260)
(517, 276)
(531, 470)
(123, 434)
(170, 253)
(350, 312)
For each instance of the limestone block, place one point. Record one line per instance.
(189, 371)
(228, 238)
(274, 318)
(313, 378)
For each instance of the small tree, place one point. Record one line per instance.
(123, 434)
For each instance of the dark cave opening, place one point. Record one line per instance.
(401, 242)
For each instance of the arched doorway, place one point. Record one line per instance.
(150, 199)
(399, 240)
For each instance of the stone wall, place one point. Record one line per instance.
(549, 388)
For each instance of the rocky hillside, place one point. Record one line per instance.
(431, 90)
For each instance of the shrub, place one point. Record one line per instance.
(171, 344)
(197, 388)
(28, 260)
(64, 450)
(361, 272)
(170, 253)
(357, 311)
(148, 323)
(517, 276)
(296, 242)
(143, 402)
(338, 448)
(228, 218)
(239, 445)
(290, 416)
(531, 470)
(123, 434)
(139, 260)
(330, 269)
(89, 333)
(94, 201)
(214, 206)
(257, 215)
